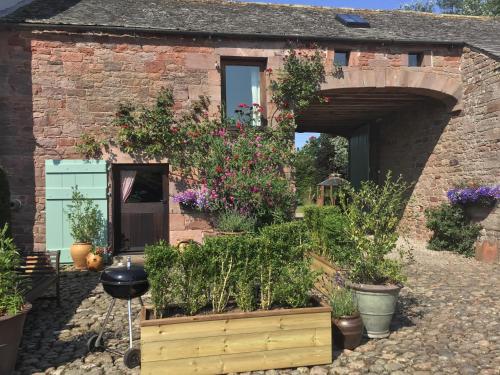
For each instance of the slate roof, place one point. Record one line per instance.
(272, 20)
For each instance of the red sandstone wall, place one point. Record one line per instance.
(437, 150)
(53, 86)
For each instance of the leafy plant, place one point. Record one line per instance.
(160, 264)
(295, 284)
(342, 302)
(221, 256)
(327, 226)
(372, 216)
(85, 219)
(281, 246)
(4, 200)
(246, 284)
(192, 278)
(11, 288)
(451, 229)
(232, 221)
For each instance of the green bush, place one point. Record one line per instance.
(160, 264)
(11, 291)
(451, 229)
(253, 270)
(327, 226)
(4, 200)
(372, 216)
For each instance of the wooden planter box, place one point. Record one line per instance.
(324, 282)
(236, 342)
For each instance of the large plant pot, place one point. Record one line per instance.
(11, 328)
(376, 304)
(347, 331)
(79, 252)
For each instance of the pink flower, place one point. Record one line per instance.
(312, 138)
(243, 105)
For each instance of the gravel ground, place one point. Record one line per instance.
(448, 322)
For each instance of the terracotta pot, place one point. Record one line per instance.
(95, 262)
(12, 331)
(79, 252)
(347, 331)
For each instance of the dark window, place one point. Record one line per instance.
(352, 20)
(147, 187)
(243, 86)
(341, 58)
(415, 59)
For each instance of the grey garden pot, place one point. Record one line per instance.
(376, 304)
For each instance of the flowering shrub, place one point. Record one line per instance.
(482, 195)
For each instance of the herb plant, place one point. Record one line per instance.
(11, 291)
(233, 221)
(85, 219)
(342, 302)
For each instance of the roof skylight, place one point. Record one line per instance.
(352, 20)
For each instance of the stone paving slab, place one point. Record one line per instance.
(448, 322)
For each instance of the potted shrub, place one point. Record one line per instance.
(233, 304)
(372, 216)
(86, 223)
(13, 309)
(347, 326)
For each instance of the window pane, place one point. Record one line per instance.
(341, 58)
(242, 87)
(413, 59)
(147, 187)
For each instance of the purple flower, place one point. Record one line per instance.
(198, 199)
(481, 195)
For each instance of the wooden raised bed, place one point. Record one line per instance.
(325, 281)
(236, 342)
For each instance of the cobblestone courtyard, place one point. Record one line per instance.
(448, 322)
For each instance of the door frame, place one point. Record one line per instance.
(116, 199)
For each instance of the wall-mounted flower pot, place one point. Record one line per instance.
(477, 213)
(11, 328)
(236, 342)
(347, 331)
(376, 304)
(79, 252)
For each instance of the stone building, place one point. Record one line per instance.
(418, 94)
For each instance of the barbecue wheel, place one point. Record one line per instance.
(132, 358)
(95, 346)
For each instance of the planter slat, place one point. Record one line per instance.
(219, 327)
(242, 362)
(235, 344)
(324, 282)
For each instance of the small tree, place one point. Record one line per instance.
(85, 219)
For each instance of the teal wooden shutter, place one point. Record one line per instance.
(90, 177)
(359, 156)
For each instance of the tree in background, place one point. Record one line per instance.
(316, 160)
(465, 7)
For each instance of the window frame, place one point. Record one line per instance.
(420, 59)
(347, 55)
(246, 61)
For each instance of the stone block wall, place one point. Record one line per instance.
(56, 85)
(437, 150)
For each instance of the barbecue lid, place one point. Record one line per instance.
(129, 274)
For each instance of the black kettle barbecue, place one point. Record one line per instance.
(122, 282)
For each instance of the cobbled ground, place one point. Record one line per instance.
(448, 322)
